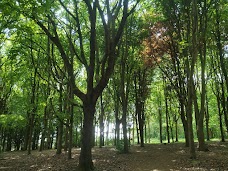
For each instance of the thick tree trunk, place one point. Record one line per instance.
(189, 111)
(199, 117)
(85, 159)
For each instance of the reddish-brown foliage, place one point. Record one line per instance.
(156, 45)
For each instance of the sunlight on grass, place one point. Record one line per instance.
(139, 151)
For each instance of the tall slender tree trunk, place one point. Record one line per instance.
(207, 118)
(167, 117)
(185, 123)
(124, 124)
(71, 120)
(202, 50)
(66, 138)
(118, 121)
(59, 139)
(189, 119)
(137, 129)
(223, 102)
(176, 128)
(141, 123)
(60, 122)
(222, 59)
(101, 123)
(190, 73)
(160, 123)
(44, 130)
(220, 118)
(33, 111)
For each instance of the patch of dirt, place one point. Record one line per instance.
(152, 157)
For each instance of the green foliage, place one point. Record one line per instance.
(12, 121)
(120, 146)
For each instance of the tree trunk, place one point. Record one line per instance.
(60, 137)
(141, 123)
(202, 50)
(117, 132)
(223, 102)
(85, 159)
(118, 121)
(71, 121)
(137, 128)
(220, 119)
(160, 124)
(167, 117)
(124, 124)
(176, 128)
(222, 60)
(199, 120)
(33, 111)
(185, 123)
(44, 131)
(35, 139)
(9, 140)
(101, 123)
(207, 117)
(66, 140)
(107, 133)
(60, 122)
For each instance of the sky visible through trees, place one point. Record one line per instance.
(81, 73)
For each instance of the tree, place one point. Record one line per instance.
(112, 31)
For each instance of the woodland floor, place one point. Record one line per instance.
(153, 157)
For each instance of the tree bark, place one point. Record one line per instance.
(167, 115)
(60, 121)
(220, 118)
(101, 123)
(85, 159)
(71, 120)
(207, 119)
(160, 123)
(33, 111)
